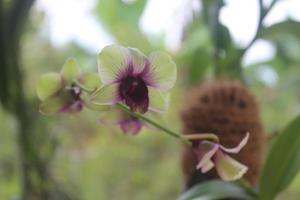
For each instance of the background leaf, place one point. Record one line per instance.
(283, 162)
(217, 190)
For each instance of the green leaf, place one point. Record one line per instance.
(48, 85)
(280, 30)
(283, 162)
(216, 189)
(70, 70)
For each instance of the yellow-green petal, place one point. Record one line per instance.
(90, 80)
(106, 95)
(85, 98)
(159, 101)
(112, 61)
(48, 85)
(70, 70)
(164, 70)
(52, 105)
(228, 168)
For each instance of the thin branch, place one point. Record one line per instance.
(262, 15)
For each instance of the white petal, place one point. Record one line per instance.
(228, 168)
(112, 62)
(159, 101)
(163, 71)
(239, 147)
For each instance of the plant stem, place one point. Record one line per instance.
(202, 136)
(142, 117)
(184, 138)
(262, 15)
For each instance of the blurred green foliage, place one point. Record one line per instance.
(90, 161)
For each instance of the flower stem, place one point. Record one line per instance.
(184, 138)
(202, 136)
(146, 119)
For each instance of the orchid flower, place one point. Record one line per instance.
(129, 77)
(58, 92)
(210, 154)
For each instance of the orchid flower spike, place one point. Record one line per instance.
(129, 77)
(210, 154)
(58, 92)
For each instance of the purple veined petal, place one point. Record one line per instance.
(239, 147)
(162, 71)
(113, 62)
(131, 126)
(228, 168)
(106, 95)
(137, 60)
(204, 152)
(208, 166)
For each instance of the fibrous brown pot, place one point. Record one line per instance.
(228, 109)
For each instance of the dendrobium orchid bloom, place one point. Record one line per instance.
(58, 92)
(132, 78)
(210, 154)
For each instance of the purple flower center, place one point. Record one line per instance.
(73, 101)
(134, 91)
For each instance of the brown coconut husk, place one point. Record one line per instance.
(228, 109)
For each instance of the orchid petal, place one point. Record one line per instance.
(228, 168)
(131, 126)
(163, 71)
(159, 101)
(52, 105)
(205, 151)
(112, 62)
(89, 104)
(106, 95)
(70, 71)
(239, 147)
(48, 85)
(208, 166)
(90, 80)
(137, 59)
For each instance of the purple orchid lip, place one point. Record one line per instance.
(74, 104)
(133, 90)
(132, 126)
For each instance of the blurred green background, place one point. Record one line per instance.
(76, 157)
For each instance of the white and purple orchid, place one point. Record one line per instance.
(129, 77)
(210, 154)
(58, 92)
